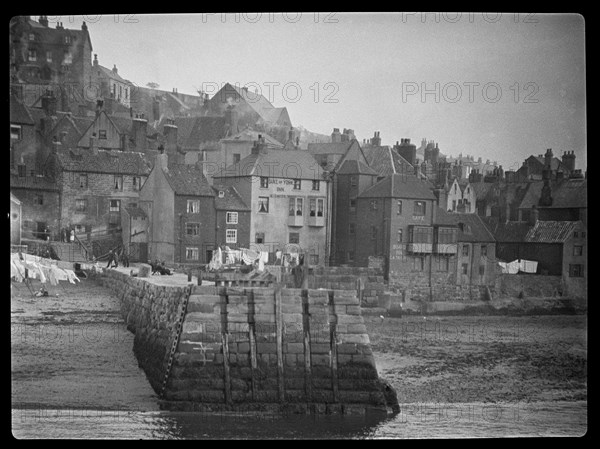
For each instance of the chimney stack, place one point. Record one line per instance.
(568, 160)
(49, 103)
(170, 133)
(99, 107)
(336, 136)
(548, 159)
(44, 21)
(231, 119)
(139, 131)
(162, 159)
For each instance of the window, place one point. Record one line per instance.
(135, 183)
(38, 198)
(399, 235)
(192, 228)
(465, 268)
(575, 270)
(31, 36)
(126, 94)
(443, 263)
(421, 234)
(399, 207)
(465, 250)
(193, 206)
(297, 184)
(351, 228)
(264, 182)
(320, 207)
(481, 270)
(102, 134)
(455, 187)
(419, 208)
(483, 250)
(15, 132)
(68, 59)
(314, 259)
(203, 156)
(32, 55)
(259, 237)
(191, 253)
(114, 206)
(350, 256)
(294, 237)
(316, 185)
(22, 170)
(576, 234)
(118, 182)
(68, 39)
(374, 205)
(236, 158)
(446, 235)
(120, 91)
(49, 56)
(373, 232)
(231, 236)
(418, 263)
(231, 218)
(583, 234)
(80, 205)
(295, 207)
(263, 204)
(353, 180)
(352, 204)
(83, 181)
(578, 250)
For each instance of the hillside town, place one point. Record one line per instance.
(98, 163)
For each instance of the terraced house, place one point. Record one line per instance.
(289, 199)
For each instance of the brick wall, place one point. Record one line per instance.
(206, 218)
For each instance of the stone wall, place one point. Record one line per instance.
(528, 285)
(283, 350)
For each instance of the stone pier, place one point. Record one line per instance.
(280, 350)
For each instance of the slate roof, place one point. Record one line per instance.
(19, 113)
(474, 231)
(186, 179)
(249, 135)
(570, 193)
(481, 189)
(192, 132)
(385, 161)
(109, 73)
(443, 218)
(231, 201)
(256, 101)
(329, 147)
(551, 231)
(14, 199)
(287, 164)
(510, 232)
(113, 162)
(355, 167)
(32, 183)
(400, 186)
(136, 211)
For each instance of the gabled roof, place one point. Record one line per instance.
(231, 200)
(555, 163)
(249, 135)
(570, 193)
(509, 232)
(19, 113)
(192, 132)
(385, 161)
(186, 179)
(400, 186)
(256, 101)
(136, 211)
(481, 189)
(287, 164)
(551, 231)
(349, 166)
(112, 162)
(109, 73)
(443, 218)
(54, 36)
(329, 147)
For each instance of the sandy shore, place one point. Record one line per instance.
(73, 350)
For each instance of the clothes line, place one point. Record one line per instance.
(24, 266)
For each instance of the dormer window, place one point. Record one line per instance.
(68, 39)
(221, 194)
(31, 36)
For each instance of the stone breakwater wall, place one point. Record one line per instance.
(209, 348)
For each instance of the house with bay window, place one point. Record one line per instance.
(287, 193)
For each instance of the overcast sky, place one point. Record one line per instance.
(500, 87)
